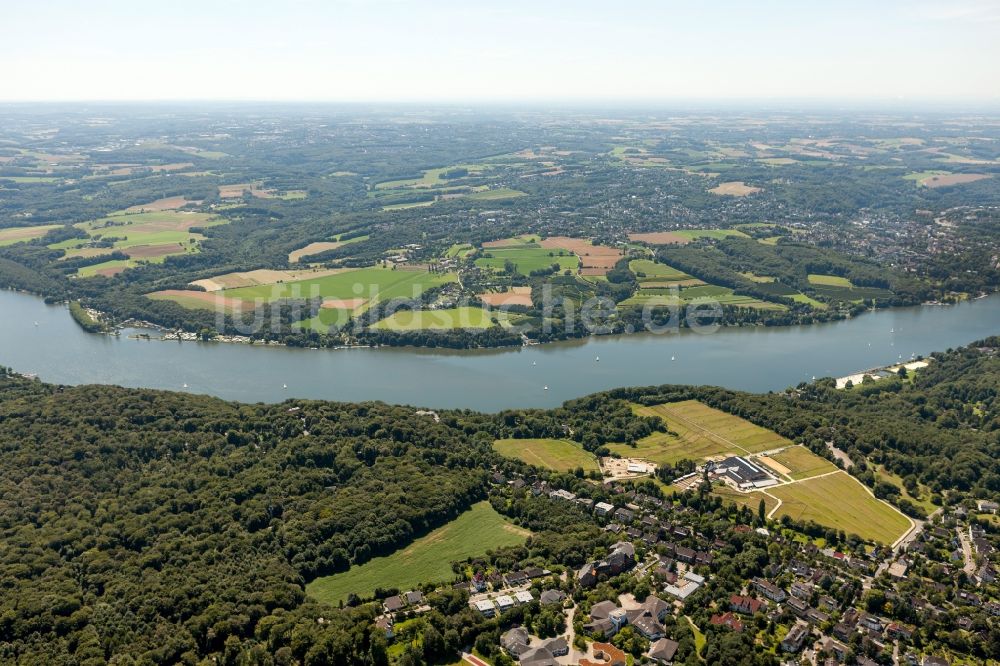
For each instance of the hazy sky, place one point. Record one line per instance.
(511, 50)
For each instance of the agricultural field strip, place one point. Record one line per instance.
(695, 426)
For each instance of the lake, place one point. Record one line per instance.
(753, 359)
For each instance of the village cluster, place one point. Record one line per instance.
(817, 605)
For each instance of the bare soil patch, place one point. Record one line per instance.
(594, 259)
(516, 296)
(148, 251)
(734, 188)
(262, 276)
(312, 248)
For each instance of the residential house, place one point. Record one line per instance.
(605, 654)
(603, 508)
(557, 646)
(769, 590)
(795, 638)
(744, 605)
(386, 624)
(393, 604)
(552, 597)
(727, 619)
(538, 657)
(515, 642)
(663, 651)
(414, 598)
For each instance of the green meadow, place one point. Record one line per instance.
(426, 560)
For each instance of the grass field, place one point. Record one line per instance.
(527, 259)
(692, 234)
(496, 195)
(695, 293)
(830, 280)
(426, 560)
(20, 234)
(841, 502)
(326, 318)
(149, 236)
(379, 284)
(701, 432)
(560, 455)
(451, 318)
(656, 272)
(803, 463)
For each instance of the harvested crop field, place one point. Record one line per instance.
(953, 179)
(594, 259)
(21, 234)
(343, 303)
(801, 463)
(734, 188)
(516, 296)
(659, 238)
(234, 191)
(262, 276)
(701, 432)
(150, 251)
(199, 300)
(838, 500)
(312, 248)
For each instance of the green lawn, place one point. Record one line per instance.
(426, 560)
(656, 272)
(560, 455)
(830, 280)
(841, 502)
(527, 259)
(378, 284)
(326, 318)
(452, 318)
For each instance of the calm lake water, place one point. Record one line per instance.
(754, 359)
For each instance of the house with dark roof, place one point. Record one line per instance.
(552, 597)
(393, 604)
(663, 651)
(557, 646)
(515, 642)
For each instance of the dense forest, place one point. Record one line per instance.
(150, 527)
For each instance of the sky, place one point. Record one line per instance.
(503, 51)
